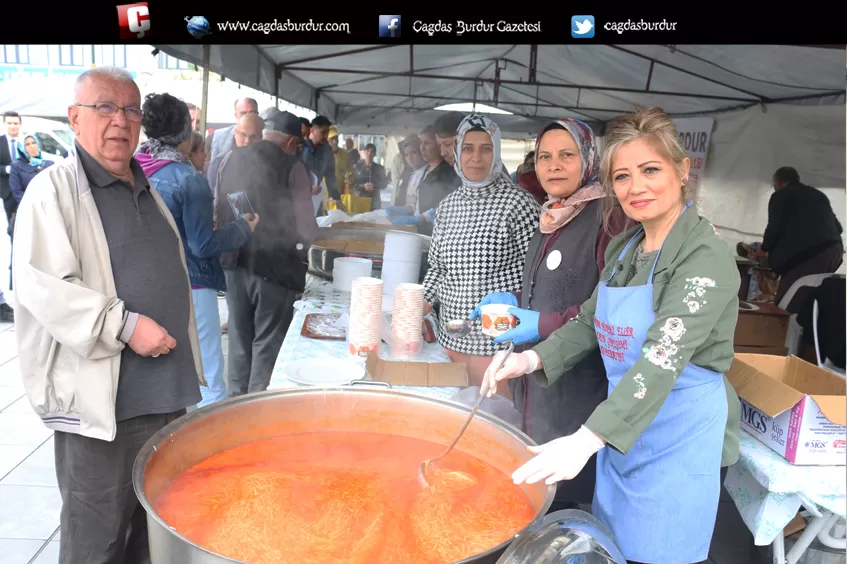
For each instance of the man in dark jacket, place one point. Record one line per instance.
(803, 235)
(371, 179)
(268, 274)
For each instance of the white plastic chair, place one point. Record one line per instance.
(795, 331)
(824, 363)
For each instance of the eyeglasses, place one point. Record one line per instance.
(111, 110)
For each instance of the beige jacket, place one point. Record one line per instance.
(68, 319)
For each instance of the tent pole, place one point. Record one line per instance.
(207, 52)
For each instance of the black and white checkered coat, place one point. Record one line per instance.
(479, 245)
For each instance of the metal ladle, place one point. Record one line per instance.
(458, 328)
(426, 463)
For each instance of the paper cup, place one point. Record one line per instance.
(496, 319)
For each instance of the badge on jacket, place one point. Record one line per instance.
(554, 259)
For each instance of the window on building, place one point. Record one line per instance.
(110, 55)
(16, 54)
(71, 55)
(38, 55)
(168, 62)
(50, 145)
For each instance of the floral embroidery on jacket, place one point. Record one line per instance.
(659, 355)
(697, 291)
(663, 354)
(642, 389)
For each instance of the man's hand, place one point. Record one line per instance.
(252, 220)
(316, 189)
(369, 187)
(150, 338)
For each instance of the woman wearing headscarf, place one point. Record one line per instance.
(479, 241)
(663, 317)
(404, 193)
(561, 271)
(429, 185)
(164, 159)
(28, 162)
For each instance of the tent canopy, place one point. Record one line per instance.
(395, 88)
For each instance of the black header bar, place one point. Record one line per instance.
(275, 23)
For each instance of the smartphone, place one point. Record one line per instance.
(240, 204)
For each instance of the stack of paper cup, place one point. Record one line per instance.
(401, 260)
(363, 331)
(346, 269)
(407, 321)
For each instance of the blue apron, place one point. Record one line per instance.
(660, 499)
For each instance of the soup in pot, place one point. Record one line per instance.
(344, 497)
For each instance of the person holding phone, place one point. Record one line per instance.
(164, 160)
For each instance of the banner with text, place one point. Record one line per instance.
(695, 133)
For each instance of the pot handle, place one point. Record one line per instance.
(370, 383)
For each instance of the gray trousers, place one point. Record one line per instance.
(102, 521)
(259, 315)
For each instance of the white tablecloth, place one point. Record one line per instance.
(769, 491)
(320, 297)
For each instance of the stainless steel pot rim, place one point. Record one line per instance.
(150, 446)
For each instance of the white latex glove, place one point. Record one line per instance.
(561, 459)
(516, 365)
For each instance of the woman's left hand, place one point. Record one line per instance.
(527, 330)
(560, 459)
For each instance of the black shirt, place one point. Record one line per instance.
(801, 224)
(151, 280)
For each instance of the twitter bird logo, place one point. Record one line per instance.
(582, 27)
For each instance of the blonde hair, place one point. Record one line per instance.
(652, 125)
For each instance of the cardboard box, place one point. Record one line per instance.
(443, 374)
(767, 326)
(778, 351)
(795, 408)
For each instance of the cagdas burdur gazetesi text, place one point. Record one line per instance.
(460, 27)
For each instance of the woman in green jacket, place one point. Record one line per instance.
(663, 317)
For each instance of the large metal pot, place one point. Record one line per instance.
(207, 431)
(321, 258)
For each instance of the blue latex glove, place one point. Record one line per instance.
(429, 215)
(406, 220)
(393, 211)
(527, 330)
(505, 298)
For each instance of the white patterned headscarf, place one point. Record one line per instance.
(476, 122)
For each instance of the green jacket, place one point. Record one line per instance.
(709, 311)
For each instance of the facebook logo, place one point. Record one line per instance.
(389, 26)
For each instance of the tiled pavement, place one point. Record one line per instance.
(29, 496)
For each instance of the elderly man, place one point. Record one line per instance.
(266, 276)
(248, 129)
(803, 235)
(196, 113)
(353, 151)
(107, 343)
(223, 140)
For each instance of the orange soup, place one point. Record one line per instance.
(351, 498)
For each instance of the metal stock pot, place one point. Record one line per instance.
(210, 430)
(321, 258)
